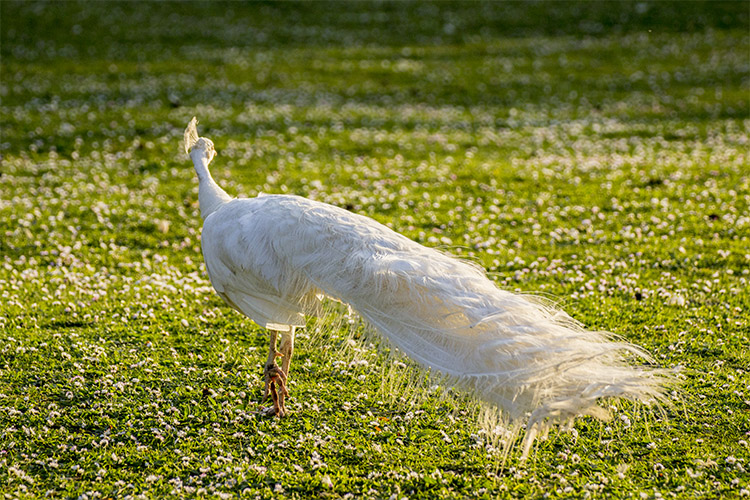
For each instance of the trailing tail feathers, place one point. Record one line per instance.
(504, 349)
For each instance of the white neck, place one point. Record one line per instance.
(210, 195)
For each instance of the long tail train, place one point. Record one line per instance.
(508, 350)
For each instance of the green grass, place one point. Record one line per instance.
(595, 152)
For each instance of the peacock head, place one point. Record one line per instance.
(203, 148)
(198, 147)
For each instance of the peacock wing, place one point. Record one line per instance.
(243, 249)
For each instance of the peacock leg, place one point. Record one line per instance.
(287, 349)
(274, 376)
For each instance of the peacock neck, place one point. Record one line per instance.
(210, 194)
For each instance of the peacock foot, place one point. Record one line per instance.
(275, 388)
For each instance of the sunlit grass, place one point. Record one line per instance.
(598, 156)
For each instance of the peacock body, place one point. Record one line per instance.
(274, 257)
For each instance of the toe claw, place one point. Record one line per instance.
(275, 387)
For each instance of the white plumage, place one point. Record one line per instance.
(275, 256)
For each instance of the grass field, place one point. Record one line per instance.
(594, 152)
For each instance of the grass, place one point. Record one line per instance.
(596, 152)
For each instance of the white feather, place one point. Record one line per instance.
(191, 134)
(274, 256)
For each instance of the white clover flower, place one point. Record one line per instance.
(326, 481)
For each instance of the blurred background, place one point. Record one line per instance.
(158, 62)
(324, 98)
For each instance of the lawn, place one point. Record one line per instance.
(596, 153)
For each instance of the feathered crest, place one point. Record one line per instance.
(191, 134)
